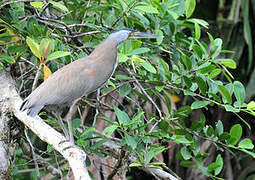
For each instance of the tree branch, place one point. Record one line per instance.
(74, 155)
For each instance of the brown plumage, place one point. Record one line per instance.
(79, 77)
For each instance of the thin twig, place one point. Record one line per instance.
(124, 13)
(33, 154)
(37, 77)
(148, 97)
(118, 164)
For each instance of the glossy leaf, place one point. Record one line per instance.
(185, 153)
(251, 105)
(147, 9)
(34, 47)
(59, 5)
(235, 134)
(149, 67)
(230, 63)
(190, 7)
(246, 144)
(201, 84)
(7, 58)
(125, 89)
(57, 54)
(239, 92)
(123, 118)
(37, 4)
(138, 51)
(199, 104)
(225, 93)
(215, 73)
(130, 141)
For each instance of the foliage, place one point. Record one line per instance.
(187, 64)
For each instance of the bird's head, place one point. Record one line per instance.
(126, 34)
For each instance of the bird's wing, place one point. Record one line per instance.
(65, 85)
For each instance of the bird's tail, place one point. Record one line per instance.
(31, 110)
(22, 108)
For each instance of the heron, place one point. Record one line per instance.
(82, 76)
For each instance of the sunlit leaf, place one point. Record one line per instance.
(46, 72)
(147, 9)
(190, 7)
(57, 54)
(59, 5)
(34, 47)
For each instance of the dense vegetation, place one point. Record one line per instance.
(182, 103)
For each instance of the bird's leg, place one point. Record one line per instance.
(69, 119)
(97, 111)
(60, 122)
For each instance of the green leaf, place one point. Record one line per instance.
(135, 165)
(239, 92)
(152, 153)
(186, 61)
(185, 153)
(149, 67)
(251, 105)
(125, 89)
(198, 51)
(130, 141)
(219, 161)
(188, 164)
(199, 104)
(159, 40)
(45, 47)
(147, 9)
(34, 47)
(230, 108)
(122, 117)
(226, 62)
(211, 38)
(59, 5)
(201, 84)
(197, 31)
(190, 6)
(235, 134)
(16, 49)
(187, 81)
(87, 131)
(7, 58)
(122, 77)
(246, 144)
(225, 93)
(57, 54)
(219, 127)
(110, 129)
(122, 57)
(224, 136)
(207, 69)
(37, 4)
(215, 73)
(138, 51)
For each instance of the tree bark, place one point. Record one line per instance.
(4, 141)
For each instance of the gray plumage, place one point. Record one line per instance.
(79, 77)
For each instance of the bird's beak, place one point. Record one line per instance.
(144, 35)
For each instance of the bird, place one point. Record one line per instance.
(82, 76)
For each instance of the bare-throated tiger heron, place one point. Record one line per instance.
(82, 76)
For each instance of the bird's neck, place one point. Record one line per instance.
(105, 50)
